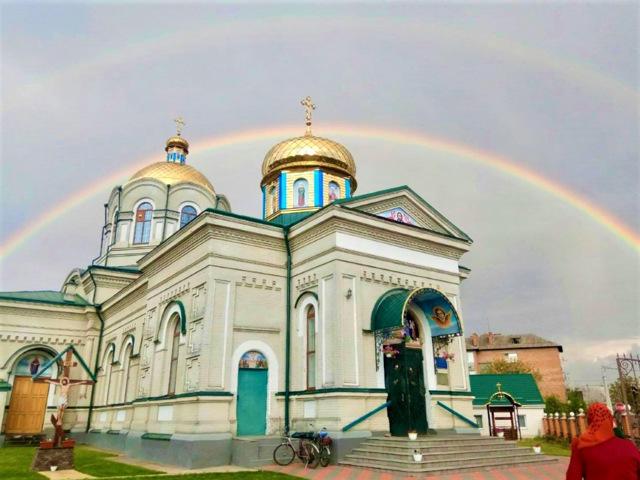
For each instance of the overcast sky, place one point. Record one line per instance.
(90, 89)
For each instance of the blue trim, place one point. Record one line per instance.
(282, 190)
(318, 187)
(366, 415)
(168, 157)
(347, 188)
(264, 202)
(460, 416)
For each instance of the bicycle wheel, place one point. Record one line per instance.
(284, 454)
(325, 456)
(310, 454)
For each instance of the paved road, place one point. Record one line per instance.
(554, 471)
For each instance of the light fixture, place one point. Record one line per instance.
(349, 293)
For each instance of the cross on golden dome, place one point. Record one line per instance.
(180, 123)
(310, 107)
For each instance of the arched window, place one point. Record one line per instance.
(107, 375)
(188, 213)
(127, 373)
(300, 193)
(143, 223)
(173, 365)
(334, 191)
(311, 348)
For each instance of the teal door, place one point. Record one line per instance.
(251, 402)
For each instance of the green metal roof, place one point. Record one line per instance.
(5, 387)
(521, 386)
(388, 311)
(289, 218)
(45, 296)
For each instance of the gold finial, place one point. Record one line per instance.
(310, 106)
(180, 123)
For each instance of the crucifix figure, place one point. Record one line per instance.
(310, 107)
(65, 383)
(180, 123)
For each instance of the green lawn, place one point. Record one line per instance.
(15, 463)
(559, 449)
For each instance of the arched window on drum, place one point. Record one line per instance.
(142, 232)
(187, 214)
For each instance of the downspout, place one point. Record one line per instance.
(166, 206)
(217, 200)
(287, 373)
(106, 207)
(97, 362)
(114, 228)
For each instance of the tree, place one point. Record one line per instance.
(615, 391)
(502, 366)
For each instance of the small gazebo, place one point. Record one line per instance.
(502, 406)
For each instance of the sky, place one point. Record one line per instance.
(517, 121)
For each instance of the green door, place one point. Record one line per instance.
(251, 404)
(404, 382)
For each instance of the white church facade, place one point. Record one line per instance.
(203, 325)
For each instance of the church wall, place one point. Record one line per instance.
(25, 328)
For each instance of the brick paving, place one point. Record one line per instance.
(554, 471)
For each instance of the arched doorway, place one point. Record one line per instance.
(251, 397)
(400, 338)
(28, 403)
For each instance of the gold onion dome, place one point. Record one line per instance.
(171, 173)
(308, 151)
(177, 142)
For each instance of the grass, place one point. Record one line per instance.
(549, 447)
(15, 463)
(95, 463)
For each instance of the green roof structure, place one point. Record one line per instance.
(45, 296)
(521, 386)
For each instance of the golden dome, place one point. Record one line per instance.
(177, 142)
(308, 151)
(172, 173)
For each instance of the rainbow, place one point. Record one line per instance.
(502, 164)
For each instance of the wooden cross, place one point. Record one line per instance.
(180, 123)
(310, 107)
(65, 383)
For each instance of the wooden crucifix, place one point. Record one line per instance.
(65, 383)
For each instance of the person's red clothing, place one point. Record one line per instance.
(615, 459)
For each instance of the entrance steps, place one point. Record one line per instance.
(25, 440)
(441, 455)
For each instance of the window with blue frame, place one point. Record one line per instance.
(142, 232)
(188, 213)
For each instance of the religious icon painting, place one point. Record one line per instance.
(334, 191)
(253, 359)
(300, 193)
(31, 364)
(273, 199)
(398, 215)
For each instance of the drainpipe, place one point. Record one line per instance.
(114, 229)
(217, 200)
(287, 373)
(97, 362)
(106, 207)
(166, 206)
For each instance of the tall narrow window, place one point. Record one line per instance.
(143, 223)
(311, 348)
(188, 213)
(127, 372)
(108, 366)
(173, 366)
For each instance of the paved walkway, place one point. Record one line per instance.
(554, 471)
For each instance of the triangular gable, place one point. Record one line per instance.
(59, 356)
(403, 205)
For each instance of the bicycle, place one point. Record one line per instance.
(323, 440)
(307, 451)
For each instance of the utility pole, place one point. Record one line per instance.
(607, 397)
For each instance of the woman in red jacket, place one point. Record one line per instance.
(598, 454)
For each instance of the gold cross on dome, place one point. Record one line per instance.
(180, 123)
(310, 107)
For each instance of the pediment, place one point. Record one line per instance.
(403, 205)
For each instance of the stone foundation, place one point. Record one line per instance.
(62, 456)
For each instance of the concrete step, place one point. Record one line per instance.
(437, 440)
(447, 470)
(437, 456)
(24, 440)
(428, 448)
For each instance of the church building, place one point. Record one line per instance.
(204, 327)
